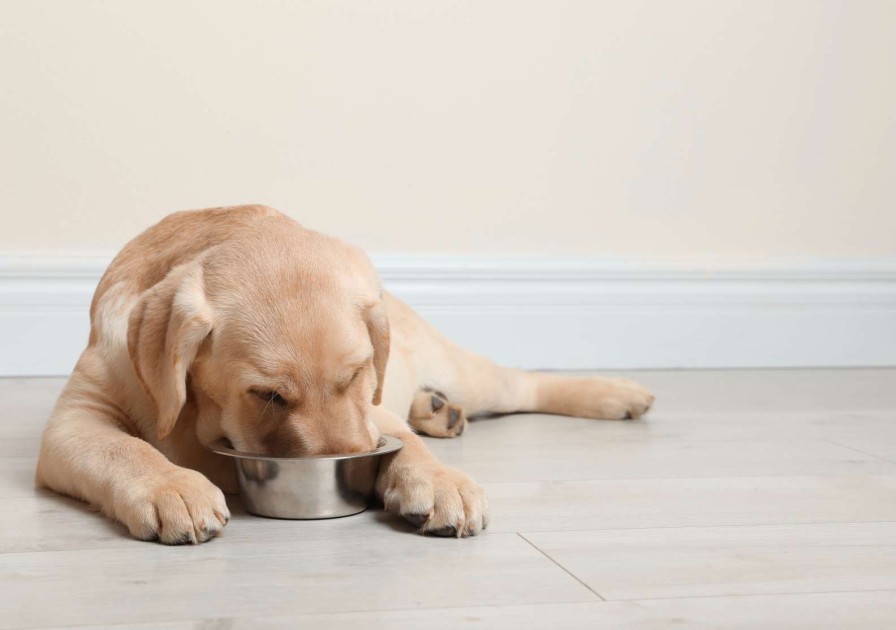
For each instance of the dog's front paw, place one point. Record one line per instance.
(438, 500)
(181, 507)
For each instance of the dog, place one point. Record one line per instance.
(239, 323)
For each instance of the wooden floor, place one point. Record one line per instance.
(747, 499)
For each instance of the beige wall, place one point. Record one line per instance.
(638, 129)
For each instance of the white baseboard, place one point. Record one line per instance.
(543, 313)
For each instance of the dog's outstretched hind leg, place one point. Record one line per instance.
(436, 370)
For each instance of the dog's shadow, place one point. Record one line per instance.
(389, 519)
(376, 511)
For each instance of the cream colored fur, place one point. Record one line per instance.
(240, 323)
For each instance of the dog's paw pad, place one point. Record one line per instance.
(432, 415)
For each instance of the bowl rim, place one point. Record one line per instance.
(385, 445)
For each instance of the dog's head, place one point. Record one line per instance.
(280, 339)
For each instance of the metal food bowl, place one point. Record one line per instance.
(327, 486)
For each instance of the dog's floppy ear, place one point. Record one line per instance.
(378, 328)
(165, 330)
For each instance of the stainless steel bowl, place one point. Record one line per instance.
(307, 487)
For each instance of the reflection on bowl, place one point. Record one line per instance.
(307, 487)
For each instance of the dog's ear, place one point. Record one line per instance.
(165, 330)
(378, 328)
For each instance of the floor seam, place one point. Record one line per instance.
(521, 535)
(690, 478)
(858, 450)
(718, 526)
(564, 569)
(452, 462)
(347, 612)
(768, 594)
(518, 605)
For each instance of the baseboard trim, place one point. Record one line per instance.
(547, 313)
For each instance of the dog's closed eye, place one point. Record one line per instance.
(269, 396)
(346, 383)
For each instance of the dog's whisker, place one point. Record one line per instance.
(265, 410)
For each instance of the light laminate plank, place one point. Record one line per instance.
(646, 503)
(712, 561)
(546, 457)
(50, 523)
(819, 611)
(153, 583)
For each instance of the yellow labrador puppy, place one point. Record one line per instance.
(240, 323)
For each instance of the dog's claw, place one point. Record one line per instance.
(417, 520)
(449, 531)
